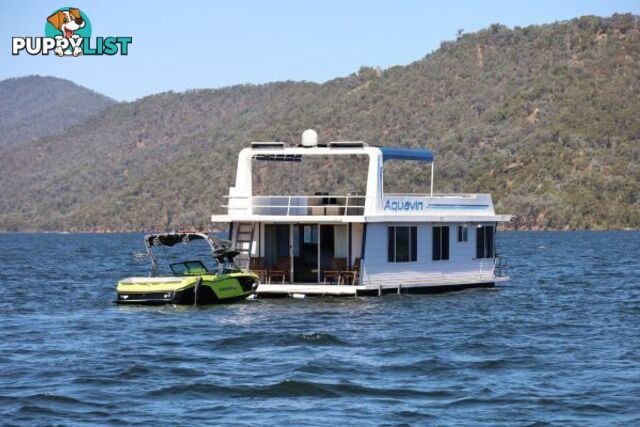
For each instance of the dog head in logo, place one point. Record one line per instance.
(67, 21)
(67, 33)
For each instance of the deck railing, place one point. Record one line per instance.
(434, 279)
(501, 266)
(299, 205)
(335, 204)
(434, 195)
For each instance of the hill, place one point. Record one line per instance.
(544, 117)
(35, 106)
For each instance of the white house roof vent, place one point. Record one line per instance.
(309, 138)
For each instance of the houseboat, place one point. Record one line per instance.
(368, 243)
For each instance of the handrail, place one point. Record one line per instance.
(290, 205)
(301, 206)
(352, 196)
(333, 196)
(434, 195)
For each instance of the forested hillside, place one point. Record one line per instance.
(35, 106)
(544, 117)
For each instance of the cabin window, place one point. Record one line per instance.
(440, 243)
(485, 241)
(463, 233)
(402, 244)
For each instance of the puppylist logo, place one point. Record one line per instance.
(68, 33)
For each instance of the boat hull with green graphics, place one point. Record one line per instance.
(193, 290)
(191, 282)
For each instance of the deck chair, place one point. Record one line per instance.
(257, 266)
(353, 275)
(281, 270)
(338, 265)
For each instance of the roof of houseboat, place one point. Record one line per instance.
(375, 205)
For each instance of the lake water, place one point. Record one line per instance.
(558, 344)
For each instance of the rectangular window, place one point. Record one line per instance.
(440, 243)
(485, 246)
(463, 233)
(402, 244)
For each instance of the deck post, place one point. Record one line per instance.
(432, 178)
(319, 276)
(350, 230)
(291, 272)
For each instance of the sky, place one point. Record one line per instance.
(190, 44)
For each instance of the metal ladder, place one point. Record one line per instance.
(244, 243)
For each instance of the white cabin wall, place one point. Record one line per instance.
(461, 260)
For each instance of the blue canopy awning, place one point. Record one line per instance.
(406, 154)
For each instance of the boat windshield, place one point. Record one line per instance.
(197, 268)
(188, 268)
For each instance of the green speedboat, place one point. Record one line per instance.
(190, 282)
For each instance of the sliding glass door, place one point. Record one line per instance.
(313, 248)
(305, 252)
(276, 244)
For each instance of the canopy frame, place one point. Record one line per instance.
(411, 154)
(219, 247)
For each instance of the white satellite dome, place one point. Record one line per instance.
(309, 138)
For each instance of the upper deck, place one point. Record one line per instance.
(373, 206)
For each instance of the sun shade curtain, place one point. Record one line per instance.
(341, 244)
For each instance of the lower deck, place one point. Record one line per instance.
(301, 290)
(346, 259)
